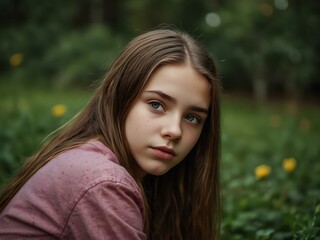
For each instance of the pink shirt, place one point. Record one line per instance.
(81, 194)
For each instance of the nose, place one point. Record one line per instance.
(172, 129)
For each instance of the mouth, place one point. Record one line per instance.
(164, 152)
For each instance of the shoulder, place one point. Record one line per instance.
(69, 175)
(110, 209)
(86, 183)
(107, 201)
(89, 163)
(75, 193)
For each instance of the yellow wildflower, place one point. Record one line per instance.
(289, 164)
(266, 9)
(16, 59)
(304, 124)
(275, 121)
(262, 171)
(58, 110)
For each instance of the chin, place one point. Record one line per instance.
(157, 171)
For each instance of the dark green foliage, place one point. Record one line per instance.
(284, 205)
(81, 57)
(265, 47)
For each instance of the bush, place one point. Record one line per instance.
(75, 59)
(81, 56)
(269, 172)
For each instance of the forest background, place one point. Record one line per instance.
(52, 54)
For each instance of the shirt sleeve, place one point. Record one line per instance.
(108, 210)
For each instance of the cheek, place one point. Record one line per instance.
(191, 139)
(131, 126)
(136, 122)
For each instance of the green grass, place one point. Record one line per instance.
(26, 118)
(280, 206)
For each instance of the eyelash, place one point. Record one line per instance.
(195, 118)
(151, 104)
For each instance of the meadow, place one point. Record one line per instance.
(269, 164)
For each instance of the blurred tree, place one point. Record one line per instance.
(31, 27)
(81, 57)
(147, 14)
(96, 11)
(269, 44)
(262, 46)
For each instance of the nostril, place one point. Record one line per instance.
(172, 129)
(174, 135)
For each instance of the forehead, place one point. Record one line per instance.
(183, 82)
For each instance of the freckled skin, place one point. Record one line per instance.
(155, 121)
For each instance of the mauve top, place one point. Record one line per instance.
(81, 194)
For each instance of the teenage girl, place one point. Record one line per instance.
(140, 161)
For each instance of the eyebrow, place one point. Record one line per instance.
(173, 100)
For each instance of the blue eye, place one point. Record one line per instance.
(156, 105)
(192, 118)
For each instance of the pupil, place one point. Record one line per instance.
(155, 105)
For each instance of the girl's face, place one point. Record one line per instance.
(166, 120)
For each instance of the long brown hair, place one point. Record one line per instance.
(183, 203)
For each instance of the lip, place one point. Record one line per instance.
(164, 152)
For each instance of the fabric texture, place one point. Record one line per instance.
(81, 194)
